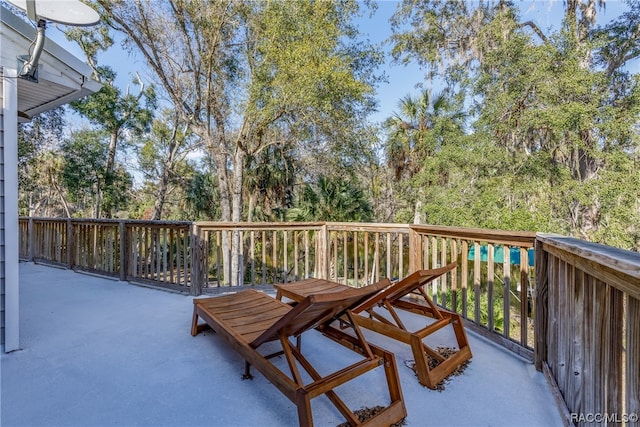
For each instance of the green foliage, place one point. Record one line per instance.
(331, 199)
(270, 180)
(426, 127)
(91, 187)
(43, 132)
(532, 131)
(114, 111)
(554, 135)
(202, 198)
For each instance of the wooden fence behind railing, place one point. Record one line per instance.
(588, 328)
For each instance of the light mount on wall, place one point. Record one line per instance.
(66, 12)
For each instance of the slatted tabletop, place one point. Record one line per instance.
(297, 291)
(248, 314)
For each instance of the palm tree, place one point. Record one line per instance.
(269, 181)
(331, 199)
(417, 133)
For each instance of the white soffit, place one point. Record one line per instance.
(62, 77)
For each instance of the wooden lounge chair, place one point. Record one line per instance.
(392, 298)
(248, 319)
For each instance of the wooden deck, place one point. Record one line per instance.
(574, 306)
(99, 352)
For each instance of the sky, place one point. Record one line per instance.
(402, 79)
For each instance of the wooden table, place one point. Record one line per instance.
(297, 291)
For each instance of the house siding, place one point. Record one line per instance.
(2, 254)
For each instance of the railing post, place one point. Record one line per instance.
(196, 260)
(415, 250)
(124, 250)
(70, 245)
(31, 239)
(541, 308)
(322, 253)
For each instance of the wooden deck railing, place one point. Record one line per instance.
(492, 292)
(266, 253)
(492, 287)
(350, 253)
(588, 328)
(151, 252)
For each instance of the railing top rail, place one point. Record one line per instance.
(514, 238)
(618, 267)
(249, 226)
(110, 221)
(332, 226)
(371, 227)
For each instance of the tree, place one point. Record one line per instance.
(35, 140)
(118, 114)
(201, 201)
(91, 187)
(270, 182)
(162, 154)
(424, 125)
(559, 105)
(331, 199)
(232, 70)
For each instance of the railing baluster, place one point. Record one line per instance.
(464, 278)
(185, 255)
(344, 258)
(274, 256)
(264, 257)
(434, 264)
(376, 257)
(296, 236)
(336, 267)
(252, 254)
(388, 271)
(355, 259)
(443, 279)
(476, 282)
(506, 293)
(172, 262)
(454, 276)
(306, 254)
(632, 366)
(490, 280)
(400, 257)
(285, 247)
(366, 259)
(524, 297)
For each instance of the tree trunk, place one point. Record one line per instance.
(220, 159)
(417, 215)
(111, 154)
(161, 195)
(167, 168)
(238, 174)
(252, 206)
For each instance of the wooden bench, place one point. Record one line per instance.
(392, 297)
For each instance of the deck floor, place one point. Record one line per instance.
(99, 352)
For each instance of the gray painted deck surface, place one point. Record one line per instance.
(98, 352)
